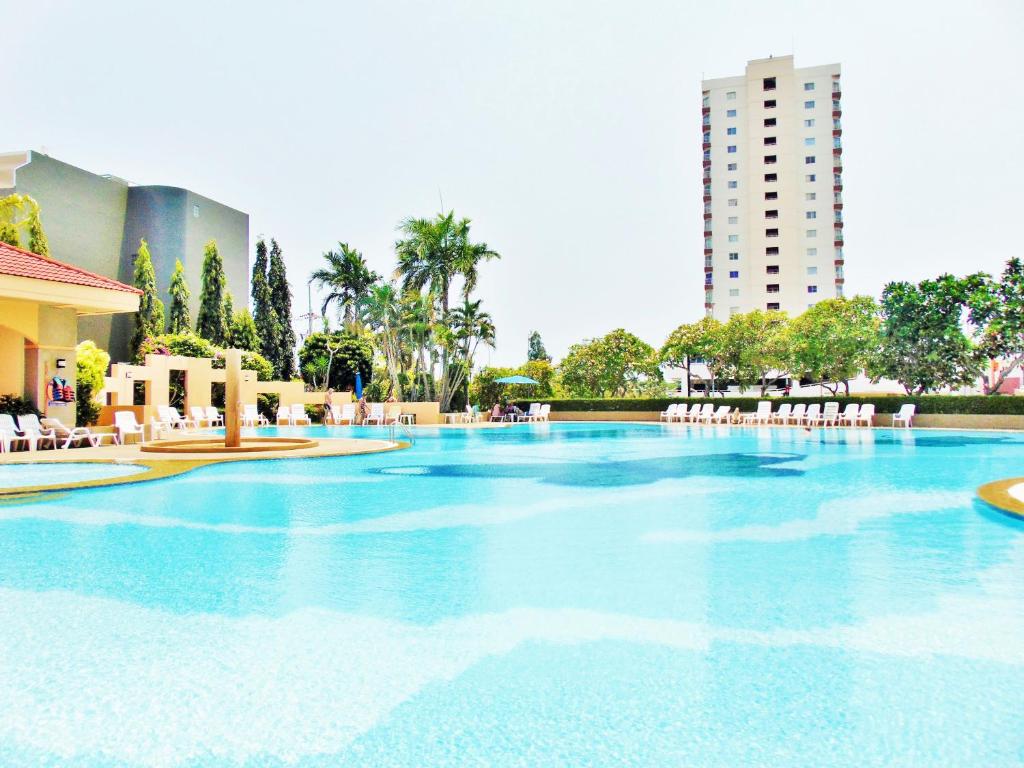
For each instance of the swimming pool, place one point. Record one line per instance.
(544, 595)
(28, 475)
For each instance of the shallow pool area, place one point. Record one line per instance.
(537, 595)
(59, 473)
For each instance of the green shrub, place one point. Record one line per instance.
(16, 405)
(926, 404)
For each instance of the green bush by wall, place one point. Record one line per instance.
(963, 404)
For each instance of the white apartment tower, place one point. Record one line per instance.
(773, 183)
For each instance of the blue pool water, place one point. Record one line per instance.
(560, 595)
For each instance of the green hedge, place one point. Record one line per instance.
(974, 404)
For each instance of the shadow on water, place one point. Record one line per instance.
(616, 473)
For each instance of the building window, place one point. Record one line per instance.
(812, 233)
(734, 292)
(734, 220)
(809, 160)
(734, 273)
(769, 141)
(733, 256)
(768, 84)
(769, 104)
(809, 141)
(811, 196)
(770, 177)
(809, 123)
(773, 305)
(773, 287)
(731, 149)
(771, 195)
(812, 251)
(730, 113)
(808, 86)
(811, 177)
(730, 131)
(772, 269)
(812, 270)
(195, 211)
(733, 202)
(771, 214)
(730, 95)
(731, 167)
(770, 159)
(812, 214)
(812, 289)
(773, 251)
(808, 105)
(769, 122)
(733, 184)
(771, 233)
(734, 238)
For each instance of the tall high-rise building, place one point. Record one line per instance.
(773, 205)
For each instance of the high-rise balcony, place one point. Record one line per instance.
(708, 262)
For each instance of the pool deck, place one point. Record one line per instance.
(160, 465)
(1005, 495)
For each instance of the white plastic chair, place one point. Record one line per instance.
(669, 414)
(830, 416)
(213, 416)
(763, 414)
(866, 415)
(77, 434)
(125, 424)
(394, 414)
(299, 415)
(811, 415)
(849, 414)
(721, 415)
(905, 416)
(284, 415)
(11, 434)
(545, 412)
(29, 425)
(348, 414)
(798, 413)
(705, 413)
(376, 414)
(781, 416)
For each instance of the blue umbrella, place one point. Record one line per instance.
(359, 385)
(516, 380)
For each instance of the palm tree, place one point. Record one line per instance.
(433, 252)
(381, 311)
(348, 278)
(472, 328)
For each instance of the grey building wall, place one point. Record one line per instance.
(97, 222)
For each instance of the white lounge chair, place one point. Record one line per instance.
(29, 425)
(798, 413)
(213, 416)
(866, 415)
(376, 414)
(284, 415)
(545, 412)
(905, 416)
(763, 414)
(781, 416)
(721, 415)
(78, 434)
(125, 424)
(251, 417)
(394, 414)
(811, 415)
(830, 416)
(170, 415)
(299, 415)
(849, 414)
(705, 413)
(10, 434)
(348, 414)
(690, 415)
(671, 413)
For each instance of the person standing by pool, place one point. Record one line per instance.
(363, 409)
(328, 402)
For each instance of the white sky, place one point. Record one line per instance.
(568, 132)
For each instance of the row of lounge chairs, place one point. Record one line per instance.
(32, 433)
(799, 414)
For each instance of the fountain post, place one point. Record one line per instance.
(232, 398)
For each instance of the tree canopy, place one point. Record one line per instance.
(833, 340)
(211, 322)
(618, 364)
(149, 320)
(281, 301)
(348, 278)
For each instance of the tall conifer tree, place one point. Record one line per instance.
(179, 321)
(263, 312)
(211, 324)
(281, 300)
(149, 320)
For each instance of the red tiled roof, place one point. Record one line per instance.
(21, 263)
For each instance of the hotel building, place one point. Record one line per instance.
(773, 206)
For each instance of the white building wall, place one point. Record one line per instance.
(737, 252)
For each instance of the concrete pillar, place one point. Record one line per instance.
(233, 398)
